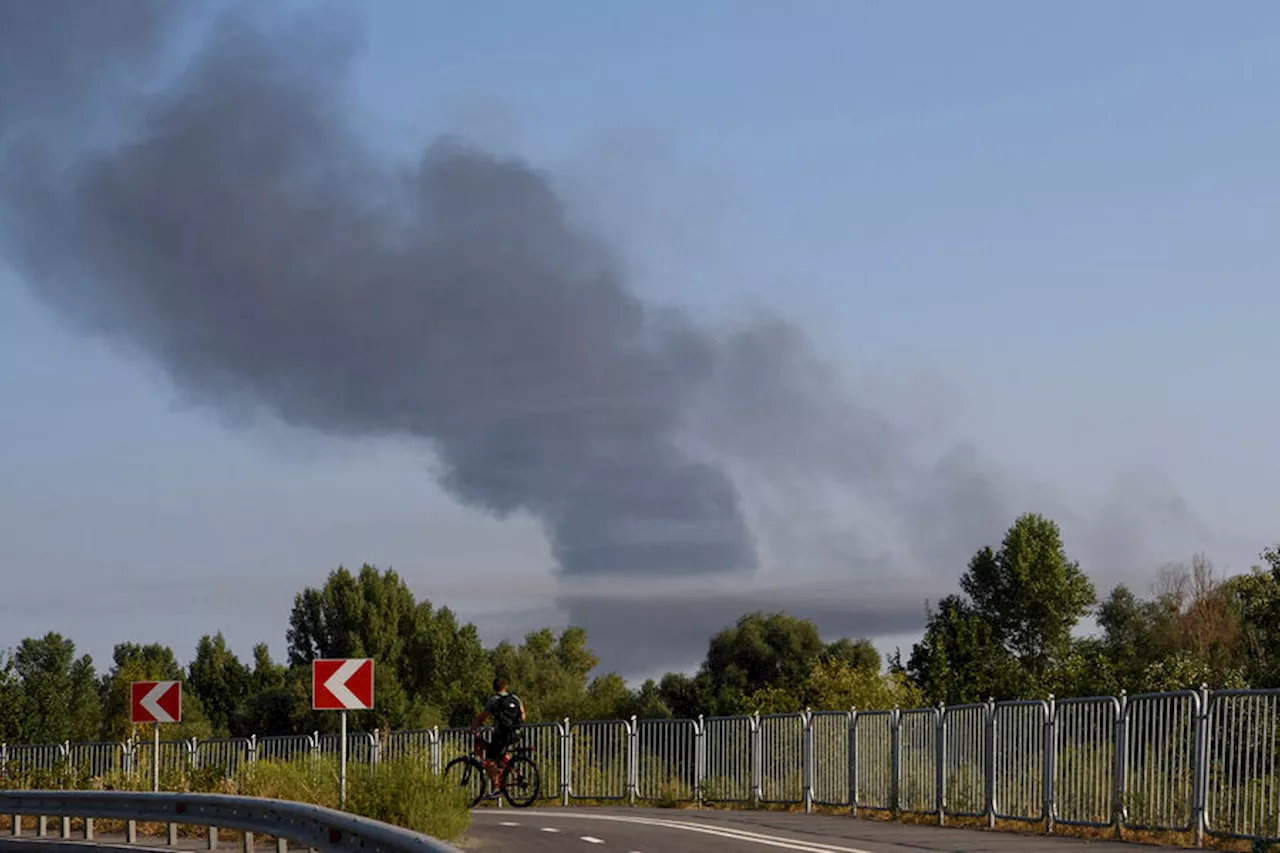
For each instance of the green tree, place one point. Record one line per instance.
(11, 699)
(761, 650)
(1257, 599)
(429, 669)
(219, 680)
(448, 670)
(859, 654)
(1029, 593)
(960, 659)
(549, 673)
(56, 696)
(686, 696)
(608, 698)
(151, 662)
(648, 702)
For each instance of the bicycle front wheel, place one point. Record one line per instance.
(468, 773)
(521, 782)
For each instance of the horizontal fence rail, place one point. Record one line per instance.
(315, 827)
(1195, 761)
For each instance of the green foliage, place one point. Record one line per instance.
(404, 792)
(760, 651)
(219, 680)
(1030, 593)
(57, 690)
(152, 662)
(549, 673)
(11, 699)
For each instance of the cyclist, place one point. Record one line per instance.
(507, 712)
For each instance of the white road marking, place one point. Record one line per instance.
(508, 823)
(723, 832)
(591, 839)
(549, 829)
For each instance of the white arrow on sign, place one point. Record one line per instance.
(337, 683)
(152, 702)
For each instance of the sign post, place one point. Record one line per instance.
(155, 702)
(342, 684)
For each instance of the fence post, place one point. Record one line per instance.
(1050, 744)
(566, 762)
(853, 761)
(807, 758)
(699, 758)
(895, 761)
(1121, 762)
(756, 769)
(940, 764)
(375, 748)
(435, 752)
(1200, 766)
(989, 794)
(633, 759)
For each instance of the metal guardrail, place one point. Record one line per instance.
(315, 827)
(1203, 762)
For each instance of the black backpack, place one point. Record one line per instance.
(507, 712)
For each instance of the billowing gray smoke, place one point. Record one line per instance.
(233, 227)
(246, 239)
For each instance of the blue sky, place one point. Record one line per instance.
(1051, 223)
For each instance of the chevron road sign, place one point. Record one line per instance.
(342, 684)
(155, 702)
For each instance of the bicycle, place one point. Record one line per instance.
(517, 769)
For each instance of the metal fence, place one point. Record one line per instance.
(1198, 761)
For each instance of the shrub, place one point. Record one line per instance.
(406, 793)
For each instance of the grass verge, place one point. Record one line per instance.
(400, 791)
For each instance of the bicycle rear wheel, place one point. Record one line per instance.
(521, 782)
(468, 773)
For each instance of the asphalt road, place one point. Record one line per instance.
(642, 830)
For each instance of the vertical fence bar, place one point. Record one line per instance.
(940, 764)
(1049, 743)
(1199, 767)
(853, 761)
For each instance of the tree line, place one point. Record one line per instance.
(1011, 632)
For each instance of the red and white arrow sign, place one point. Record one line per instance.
(155, 702)
(342, 684)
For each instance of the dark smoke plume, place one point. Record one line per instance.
(237, 230)
(246, 240)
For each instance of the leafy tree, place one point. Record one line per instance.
(859, 654)
(549, 673)
(85, 713)
(429, 669)
(56, 696)
(648, 702)
(1257, 599)
(608, 698)
(11, 699)
(447, 668)
(961, 660)
(1030, 593)
(151, 662)
(219, 680)
(687, 696)
(761, 650)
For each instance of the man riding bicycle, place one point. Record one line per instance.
(507, 712)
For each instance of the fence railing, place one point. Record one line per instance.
(1195, 761)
